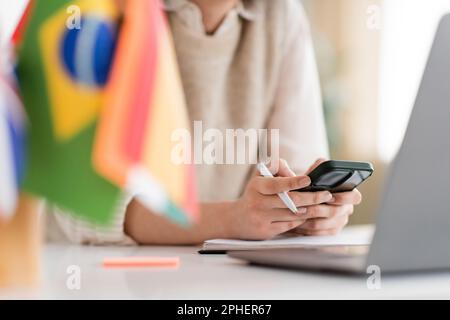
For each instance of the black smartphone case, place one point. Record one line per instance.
(339, 176)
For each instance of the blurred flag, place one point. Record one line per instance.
(12, 140)
(62, 72)
(21, 26)
(144, 106)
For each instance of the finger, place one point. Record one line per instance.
(271, 186)
(272, 202)
(305, 199)
(327, 211)
(315, 165)
(284, 215)
(354, 197)
(318, 233)
(282, 227)
(301, 200)
(324, 223)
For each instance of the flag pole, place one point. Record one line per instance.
(20, 245)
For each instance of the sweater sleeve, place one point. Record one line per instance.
(298, 110)
(61, 226)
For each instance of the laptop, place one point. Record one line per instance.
(413, 221)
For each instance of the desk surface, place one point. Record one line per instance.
(211, 277)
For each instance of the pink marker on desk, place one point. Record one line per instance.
(142, 262)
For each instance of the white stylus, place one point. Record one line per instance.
(265, 172)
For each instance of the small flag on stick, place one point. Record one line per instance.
(144, 106)
(12, 143)
(62, 71)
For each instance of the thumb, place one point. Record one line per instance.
(315, 165)
(284, 169)
(280, 168)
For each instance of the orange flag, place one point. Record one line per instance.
(144, 106)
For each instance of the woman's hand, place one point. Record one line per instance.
(260, 214)
(329, 218)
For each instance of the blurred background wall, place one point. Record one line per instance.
(371, 55)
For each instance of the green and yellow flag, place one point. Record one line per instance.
(64, 62)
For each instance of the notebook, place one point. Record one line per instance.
(351, 236)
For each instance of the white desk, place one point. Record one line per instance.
(210, 277)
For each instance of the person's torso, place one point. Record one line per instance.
(230, 81)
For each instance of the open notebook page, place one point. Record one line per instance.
(355, 235)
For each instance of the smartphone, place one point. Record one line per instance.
(339, 176)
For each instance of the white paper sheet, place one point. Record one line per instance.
(356, 235)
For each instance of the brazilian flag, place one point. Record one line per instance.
(63, 66)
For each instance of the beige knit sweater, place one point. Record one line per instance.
(257, 71)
